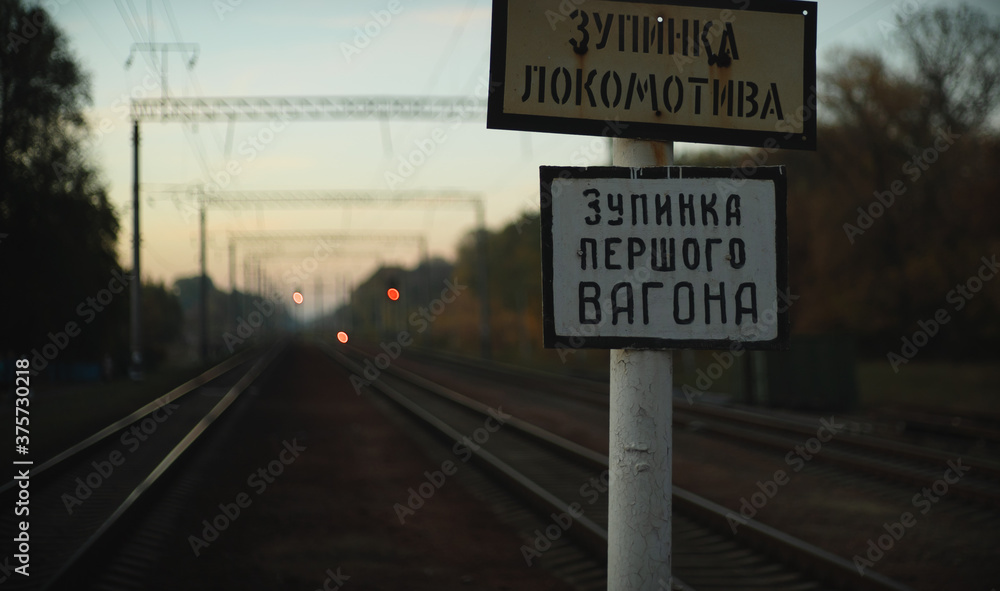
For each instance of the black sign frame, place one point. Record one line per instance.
(496, 118)
(774, 173)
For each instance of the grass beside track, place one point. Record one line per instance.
(960, 388)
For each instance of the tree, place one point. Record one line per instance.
(57, 229)
(163, 320)
(897, 207)
(957, 64)
(894, 211)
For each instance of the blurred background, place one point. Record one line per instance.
(892, 220)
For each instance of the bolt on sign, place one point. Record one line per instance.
(664, 257)
(736, 72)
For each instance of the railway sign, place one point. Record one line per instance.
(663, 257)
(716, 71)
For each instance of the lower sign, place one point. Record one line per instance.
(664, 257)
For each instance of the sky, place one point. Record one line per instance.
(312, 47)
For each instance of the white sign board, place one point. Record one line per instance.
(678, 257)
(718, 71)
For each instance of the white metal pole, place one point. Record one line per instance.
(640, 442)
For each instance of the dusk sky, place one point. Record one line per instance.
(259, 48)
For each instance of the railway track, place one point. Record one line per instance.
(981, 429)
(561, 479)
(82, 496)
(881, 458)
(847, 446)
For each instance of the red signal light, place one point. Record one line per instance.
(393, 293)
(297, 297)
(342, 336)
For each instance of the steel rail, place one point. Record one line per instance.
(809, 557)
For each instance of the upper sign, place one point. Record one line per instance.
(711, 71)
(678, 257)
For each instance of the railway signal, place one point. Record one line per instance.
(297, 297)
(392, 291)
(342, 336)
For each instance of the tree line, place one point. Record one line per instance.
(891, 220)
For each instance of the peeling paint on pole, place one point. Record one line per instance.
(640, 458)
(639, 487)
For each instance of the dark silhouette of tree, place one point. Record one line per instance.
(163, 321)
(913, 145)
(58, 229)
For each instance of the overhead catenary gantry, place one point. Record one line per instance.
(324, 244)
(322, 238)
(235, 200)
(194, 109)
(302, 108)
(343, 289)
(287, 198)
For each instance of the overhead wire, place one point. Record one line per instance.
(452, 44)
(450, 47)
(97, 27)
(135, 18)
(132, 24)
